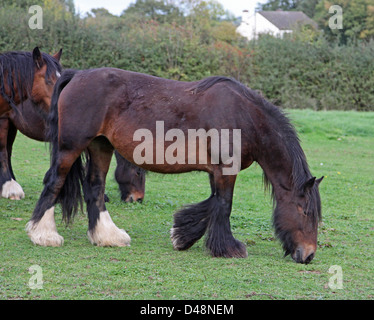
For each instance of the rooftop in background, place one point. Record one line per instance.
(286, 20)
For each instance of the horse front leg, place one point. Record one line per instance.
(220, 240)
(9, 187)
(211, 216)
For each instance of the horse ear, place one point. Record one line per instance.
(309, 184)
(318, 181)
(37, 57)
(57, 56)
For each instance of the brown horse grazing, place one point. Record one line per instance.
(32, 123)
(130, 179)
(147, 119)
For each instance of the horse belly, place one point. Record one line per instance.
(160, 152)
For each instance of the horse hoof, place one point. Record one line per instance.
(44, 232)
(46, 239)
(107, 234)
(179, 242)
(12, 190)
(235, 249)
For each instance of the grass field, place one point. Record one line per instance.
(338, 145)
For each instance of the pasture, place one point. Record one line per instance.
(338, 145)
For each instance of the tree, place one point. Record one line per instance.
(358, 20)
(308, 7)
(159, 10)
(273, 5)
(21, 3)
(101, 12)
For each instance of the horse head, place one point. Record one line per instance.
(296, 220)
(47, 71)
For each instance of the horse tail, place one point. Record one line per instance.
(52, 126)
(70, 196)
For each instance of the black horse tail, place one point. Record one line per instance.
(70, 196)
(52, 123)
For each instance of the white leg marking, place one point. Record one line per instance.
(107, 234)
(12, 190)
(44, 232)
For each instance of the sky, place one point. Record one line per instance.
(117, 6)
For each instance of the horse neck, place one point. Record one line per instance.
(280, 156)
(277, 171)
(278, 150)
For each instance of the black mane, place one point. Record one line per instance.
(300, 169)
(17, 67)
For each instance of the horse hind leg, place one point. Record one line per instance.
(44, 232)
(101, 229)
(191, 222)
(41, 228)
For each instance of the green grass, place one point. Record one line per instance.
(338, 145)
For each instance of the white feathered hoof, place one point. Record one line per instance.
(12, 190)
(107, 234)
(44, 232)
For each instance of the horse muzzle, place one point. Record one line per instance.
(135, 197)
(304, 254)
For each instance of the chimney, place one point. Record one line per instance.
(245, 17)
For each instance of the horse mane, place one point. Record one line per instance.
(300, 172)
(203, 85)
(17, 67)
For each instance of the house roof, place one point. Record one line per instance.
(287, 20)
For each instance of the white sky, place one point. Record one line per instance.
(117, 6)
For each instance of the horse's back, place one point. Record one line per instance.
(105, 97)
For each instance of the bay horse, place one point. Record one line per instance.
(32, 122)
(96, 111)
(27, 75)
